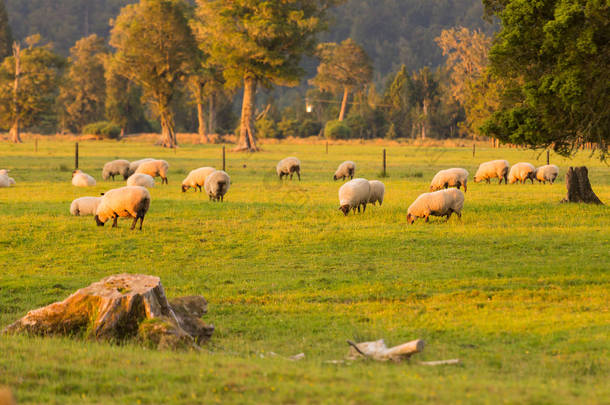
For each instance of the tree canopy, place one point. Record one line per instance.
(6, 36)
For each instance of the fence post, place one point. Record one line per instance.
(548, 157)
(224, 160)
(327, 147)
(76, 155)
(473, 149)
(36, 145)
(384, 165)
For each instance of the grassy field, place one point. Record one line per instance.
(519, 290)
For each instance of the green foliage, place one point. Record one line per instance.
(391, 134)
(104, 128)
(267, 128)
(6, 36)
(83, 91)
(337, 130)
(553, 58)
(289, 128)
(310, 128)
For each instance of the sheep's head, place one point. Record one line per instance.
(75, 172)
(98, 221)
(477, 179)
(344, 209)
(184, 188)
(410, 218)
(335, 177)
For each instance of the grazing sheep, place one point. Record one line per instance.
(546, 173)
(4, 172)
(154, 168)
(129, 202)
(345, 170)
(217, 184)
(196, 178)
(133, 166)
(438, 203)
(4, 180)
(289, 166)
(11, 181)
(455, 177)
(491, 170)
(85, 206)
(114, 168)
(82, 179)
(141, 179)
(354, 194)
(377, 192)
(521, 172)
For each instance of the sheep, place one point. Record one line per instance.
(130, 201)
(354, 194)
(491, 170)
(438, 203)
(546, 173)
(4, 181)
(455, 177)
(116, 167)
(85, 206)
(345, 170)
(377, 192)
(216, 185)
(81, 179)
(141, 179)
(4, 172)
(154, 168)
(133, 166)
(521, 172)
(11, 181)
(196, 178)
(289, 166)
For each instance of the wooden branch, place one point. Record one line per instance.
(378, 350)
(440, 362)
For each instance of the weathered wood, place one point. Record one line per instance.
(378, 350)
(579, 187)
(440, 362)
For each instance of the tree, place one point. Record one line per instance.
(83, 92)
(28, 86)
(344, 67)
(156, 50)
(205, 85)
(399, 99)
(424, 90)
(553, 58)
(258, 42)
(6, 36)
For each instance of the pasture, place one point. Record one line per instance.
(518, 290)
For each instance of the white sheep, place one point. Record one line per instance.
(521, 172)
(354, 194)
(154, 168)
(345, 170)
(4, 172)
(546, 173)
(216, 185)
(438, 203)
(289, 166)
(114, 168)
(377, 192)
(455, 177)
(141, 179)
(133, 166)
(11, 181)
(128, 202)
(82, 179)
(85, 206)
(196, 178)
(492, 170)
(4, 180)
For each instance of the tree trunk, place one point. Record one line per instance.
(343, 104)
(247, 136)
(14, 132)
(211, 115)
(202, 124)
(425, 119)
(168, 132)
(579, 187)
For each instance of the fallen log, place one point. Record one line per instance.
(378, 350)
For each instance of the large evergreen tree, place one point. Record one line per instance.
(553, 56)
(258, 43)
(156, 50)
(6, 37)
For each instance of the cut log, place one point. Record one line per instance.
(378, 350)
(579, 187)
(115, 308)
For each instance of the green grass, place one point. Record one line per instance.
(518, 290)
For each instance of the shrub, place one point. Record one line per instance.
(310, 128)
(266, 128)
(337, 130)
(289, 127)
(104, 128)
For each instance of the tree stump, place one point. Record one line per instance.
(120, 307)
(579, 187)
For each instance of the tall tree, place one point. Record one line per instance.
(553, 56)
(28, 86)
(258, 43)
(344, 68)
(399, 99)
(83, 92)
(6, 36)
(424, 90)
(156, 50)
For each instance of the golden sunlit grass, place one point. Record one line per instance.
(518, 290)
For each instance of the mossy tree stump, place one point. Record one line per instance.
(579, 187)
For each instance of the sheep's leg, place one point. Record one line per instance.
(222, 198)
(299, 175)
(141, 221)
(115, 222)
(487, 181)
(363, 208)
(427, 218)
(133, 224)
(359, 207)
